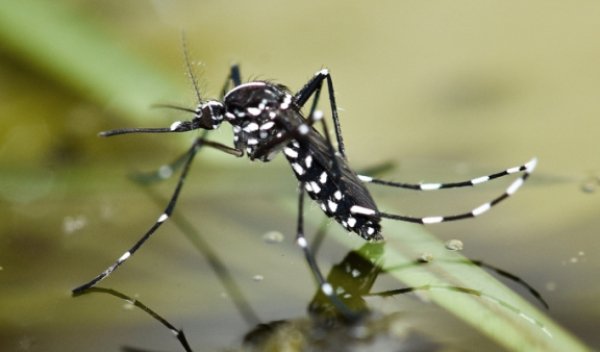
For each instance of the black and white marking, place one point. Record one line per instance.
(266, 119)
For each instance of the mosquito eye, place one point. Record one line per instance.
(217, 112)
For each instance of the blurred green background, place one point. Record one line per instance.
(445, 90)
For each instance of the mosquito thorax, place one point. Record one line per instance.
(253, 109)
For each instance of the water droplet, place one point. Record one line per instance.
(26, 343)
(273, 237)
(590, 184)
(425, 257)
(165, 171)
(258, 278)
(72, 224)
(107, 210)
(129, 305)
(581, 253)
(551, 286)
(454, 245)
(574, 260)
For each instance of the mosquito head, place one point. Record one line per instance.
(209, 115)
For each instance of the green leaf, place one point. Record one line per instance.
(498, 313)
(70, 48)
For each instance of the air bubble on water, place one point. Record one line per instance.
(165, 171)
(258, 278)
(551, 286)
(454, 245)
(575, 259)
(588, 187)
(107, 210)
(273, 237)
(590, 184)
(74, 223)
(26, 343)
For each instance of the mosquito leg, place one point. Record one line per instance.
(313, 86)
(324, 286)
(512, 188)
(162, 218)
(234, 77)
(436, 186)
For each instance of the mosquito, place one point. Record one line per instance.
(267, 119)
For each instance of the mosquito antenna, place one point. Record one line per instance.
(175, 107)
(188, 66)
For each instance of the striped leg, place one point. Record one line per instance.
(162, 218)
(325, 287)
(313, 88)
(527, 169)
